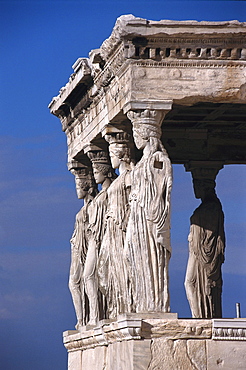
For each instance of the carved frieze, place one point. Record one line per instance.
(191, 62)
(128, 327)
(229, 329)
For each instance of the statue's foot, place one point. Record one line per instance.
(92, 322)
(78, 325)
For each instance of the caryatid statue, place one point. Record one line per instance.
(86, 189)
(111, 264)
(147, 246)
(104, 175)
(203, 282)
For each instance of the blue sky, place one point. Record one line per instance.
(40, 41)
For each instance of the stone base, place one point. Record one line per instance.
(150, 341)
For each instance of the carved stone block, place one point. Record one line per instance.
(168, 354)
(182, 329)
(94, 358)
(229, 329)
(75, 360)
(226, 355)
(129, 355)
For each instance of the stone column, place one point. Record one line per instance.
(112, 272)
(104, 175)
(203, 282)
(86, 190)
(147, 247)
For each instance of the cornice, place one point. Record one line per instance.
(229, 329)
(128, 27)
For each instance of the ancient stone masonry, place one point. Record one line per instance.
(195, 70)
(154, 93)
(163, 342)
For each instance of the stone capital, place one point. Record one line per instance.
(98, 157)
(89, 147)
(77, 166)
(111, 130)
(142, 105)
(146, 116)
(81, 171)
(149, 120)
(204, 169)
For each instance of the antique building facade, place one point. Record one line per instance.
(154, 93)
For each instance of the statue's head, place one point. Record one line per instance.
(85, 183)
(101, 166)
(140, 138)
(146, 126)
(102, 172)
(204, 180)
(203, 187)
(120, 148)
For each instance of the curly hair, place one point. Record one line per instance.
(147, 131)
(122, 151)
(88, 184)
(105, 169)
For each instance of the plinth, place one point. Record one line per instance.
(158, 341)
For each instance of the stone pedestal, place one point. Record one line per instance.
(159, 342)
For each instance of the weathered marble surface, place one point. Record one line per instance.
(167, 344)
(112, 273)
(182, 329)
(86, 190)
(180, 88)
(147, 247)
(189, 61)
(178, 354)
(226, 355)
(104, 175)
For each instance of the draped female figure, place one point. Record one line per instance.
(104, 175)
(86, 190)
(111, 266)
(203, 280)
(147, 247)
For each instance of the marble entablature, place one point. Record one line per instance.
(150, 64)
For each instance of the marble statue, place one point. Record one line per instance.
(111, 267)
(203, 280)
(86, 190)
(147, 247)
(104, 175)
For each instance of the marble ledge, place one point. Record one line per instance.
(229, 329)
(149, 326)
(126, 327)
(136, 327)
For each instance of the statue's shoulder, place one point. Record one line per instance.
(100, 198)
(81, 218)
(81, 212)
(159, 159)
